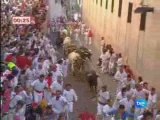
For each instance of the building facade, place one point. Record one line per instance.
(135, 35)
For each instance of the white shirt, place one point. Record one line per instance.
(58, 106)
(152, 100)
(146, 91)
(120, 62)
(39, 72)
(131, 82)
(103, 96)
(56, 86)
(120, 76)
(108, 55)
(139, 94)
(158, 117)
(45, 66)
(106, 110)
(14, 82)
(127, 103)
(21, 113)
(56, 74)
(28, 99)
(59, 68)
(130, 92)
(39, 86)
(70, 95)
(119, 96)
(29, 74)
(14, 100)
(35, 62)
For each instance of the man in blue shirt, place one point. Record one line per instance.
(121, 114)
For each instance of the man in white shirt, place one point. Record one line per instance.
(59, 65)
(38, 87)
(106, 109)
(65, 67)
(86, 37)
(120, 60)
(15, 97)
(102, 44)
(58, 103)
(152, 101)
(129, 81)
(70, 96)
(82, 28)
(120, 95)
(139, 94)
(30, 76)
(127, 102)
(56, 73)
(120, 76)
(52, 53)
(20, 110)
(56, 85)
(102, 99)
(46, 65)
(145, 88)
(111, 66)
(105, 61)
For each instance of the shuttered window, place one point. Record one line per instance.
(106, 4)
(101, 3)
(143, 21)
(120, 8)
(129, 18)
(112, 7)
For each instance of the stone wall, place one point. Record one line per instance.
(140, 49)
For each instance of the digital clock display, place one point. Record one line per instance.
(21, 20)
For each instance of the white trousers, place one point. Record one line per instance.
(99, 109)
(90, 40)
(105, 66)
(47, 95)
(65, 70)
(70, 107)
(86, 40)
(38, 97)
(10, 116)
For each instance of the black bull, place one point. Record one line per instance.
(92, 79)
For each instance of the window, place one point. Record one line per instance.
(129, 18)
(120, 8)
(101, 3)
(112, 7)
(106, 4)
(143, 21)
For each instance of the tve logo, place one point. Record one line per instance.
(141, 103)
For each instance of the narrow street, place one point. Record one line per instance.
(87, 100)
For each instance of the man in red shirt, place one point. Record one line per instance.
(22, 61)
(10, 58)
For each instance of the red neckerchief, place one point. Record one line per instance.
(49, 81)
